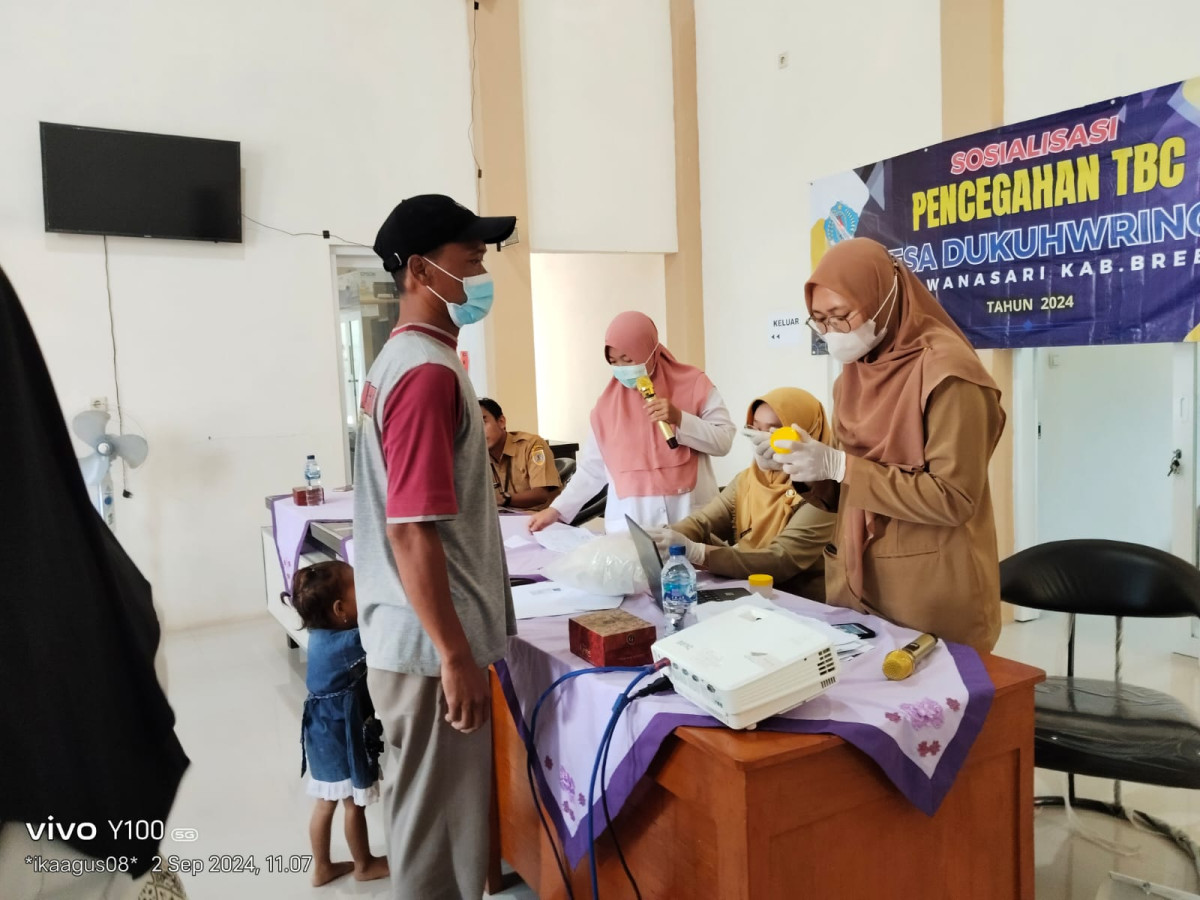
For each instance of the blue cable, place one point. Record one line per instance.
(618, 707)
(531, 756)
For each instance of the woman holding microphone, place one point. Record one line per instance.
(627, 448)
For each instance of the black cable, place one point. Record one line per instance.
(283, 230)
(112, 333)
(303, 233)
(471, 122)
(608, 822)
(658, 686)
(537, 804)
(348, 241)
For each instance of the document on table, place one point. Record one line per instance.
(547, 598)
(562, 538)
(847, 645)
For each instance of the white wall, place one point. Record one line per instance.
(599, 125)
(862, 83)
(227, 352)
(1113, 49)
(575, 296)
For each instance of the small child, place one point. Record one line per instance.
(339, 734)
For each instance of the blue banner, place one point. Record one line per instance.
(1077, 228)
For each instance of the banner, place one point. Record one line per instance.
(1081, 227)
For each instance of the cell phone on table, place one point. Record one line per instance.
(858, 629)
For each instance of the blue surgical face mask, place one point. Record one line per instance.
(628, 375)
(480, 293)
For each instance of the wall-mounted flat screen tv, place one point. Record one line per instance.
(101, 181)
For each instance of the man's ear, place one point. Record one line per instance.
(503, 423)
(418, 268)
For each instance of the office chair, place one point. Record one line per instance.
(1100, 728)
(594, 507)
(566, 468)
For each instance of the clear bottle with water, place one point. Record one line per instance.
(312, 472)
(678, 587)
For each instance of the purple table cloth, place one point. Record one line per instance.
(290, 524)
(918, 731)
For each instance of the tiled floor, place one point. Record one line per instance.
(238, 692)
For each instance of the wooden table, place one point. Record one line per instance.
(758, 815)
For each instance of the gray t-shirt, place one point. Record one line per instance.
(421, 456)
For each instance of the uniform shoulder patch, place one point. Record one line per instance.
(539, 455)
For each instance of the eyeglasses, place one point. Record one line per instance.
(839, 324)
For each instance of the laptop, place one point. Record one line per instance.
(652, 563)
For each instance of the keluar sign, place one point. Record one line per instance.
(1081, 227)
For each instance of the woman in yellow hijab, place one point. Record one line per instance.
(759, 523)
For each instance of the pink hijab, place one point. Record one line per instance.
(633, 450)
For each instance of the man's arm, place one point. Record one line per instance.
(538, 496)
(421, 562)
(541, 482)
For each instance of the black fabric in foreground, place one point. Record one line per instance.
(86, 733)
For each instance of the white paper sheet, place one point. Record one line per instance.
(562, 538)
(547, 598)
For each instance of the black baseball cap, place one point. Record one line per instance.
(422, 224)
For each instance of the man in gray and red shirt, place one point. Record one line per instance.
(433, 598)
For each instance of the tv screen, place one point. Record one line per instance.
(99, 181)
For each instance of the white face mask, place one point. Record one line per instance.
(854, 345)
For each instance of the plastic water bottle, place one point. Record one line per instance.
(678, 587)
(312, 472)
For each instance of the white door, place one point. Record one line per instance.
(1107, 418)
(1096, 432)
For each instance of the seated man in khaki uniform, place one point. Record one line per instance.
(523, 471)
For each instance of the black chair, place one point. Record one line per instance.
(594, 507)
(1099, 728)
(566, 468)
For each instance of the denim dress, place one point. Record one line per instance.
(340, 738)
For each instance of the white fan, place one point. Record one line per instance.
(90, 428)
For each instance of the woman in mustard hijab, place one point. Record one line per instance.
(759, 524)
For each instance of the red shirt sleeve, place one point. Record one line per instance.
(420, 418)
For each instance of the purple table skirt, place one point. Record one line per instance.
(918, 731)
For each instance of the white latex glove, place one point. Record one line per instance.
(808, 460)
(665, 539)
(764, 455)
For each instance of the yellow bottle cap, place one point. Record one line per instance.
(786, 433)
(762, 581)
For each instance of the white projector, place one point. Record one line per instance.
(749, 664)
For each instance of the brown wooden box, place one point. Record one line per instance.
(611, 637)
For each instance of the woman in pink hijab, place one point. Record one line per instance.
(648, 480)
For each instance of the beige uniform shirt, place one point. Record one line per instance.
(525, 463)
(793, 558)
(933, 563)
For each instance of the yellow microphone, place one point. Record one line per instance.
(645, 387)
(899, 664)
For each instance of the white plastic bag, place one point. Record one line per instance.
(607, 565)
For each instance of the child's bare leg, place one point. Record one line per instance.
(319, 827)
(366, 866)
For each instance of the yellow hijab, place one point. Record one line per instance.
(767, 500)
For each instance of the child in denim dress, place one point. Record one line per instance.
(340, 737)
